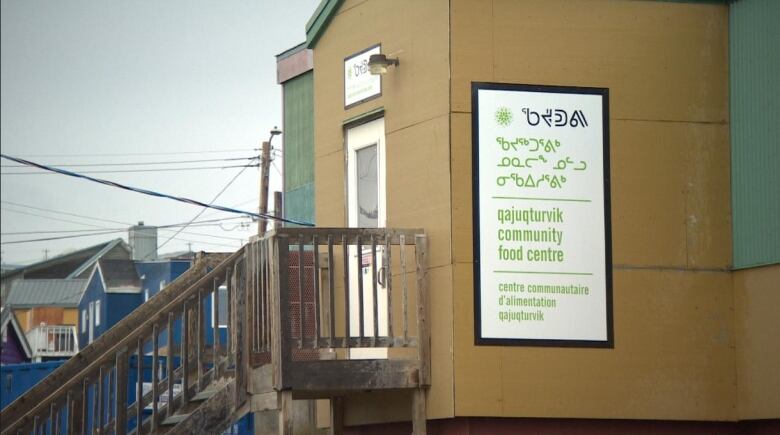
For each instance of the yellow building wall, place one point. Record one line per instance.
(70, 316)
(23, 317)
(665, 64)
(757, 298)
(416, 103)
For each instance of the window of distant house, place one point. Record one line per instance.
(146, 294)
(222, 306)
(83, 320)
(97, 313)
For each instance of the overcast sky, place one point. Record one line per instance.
(86, 81)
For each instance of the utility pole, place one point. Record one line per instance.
(265, 169)
(265, 166)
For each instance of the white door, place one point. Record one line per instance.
(91, 322)
(366, 206)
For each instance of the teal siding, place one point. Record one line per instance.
(299, 203)
(299, 147)
(754, 53)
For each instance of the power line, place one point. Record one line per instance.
(204, 209)
(64, 212)
(106, 230)
(102, 230)
(166, 228)
(116, 171)
(170, 162)
(113, 231)
(46, 239)
(49, 210)
(155, 194)
(214, 213)
(51, 218)
(161, 153)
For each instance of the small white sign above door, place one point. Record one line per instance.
(359, 84)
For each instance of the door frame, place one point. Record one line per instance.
(364, 141)
(364, 132)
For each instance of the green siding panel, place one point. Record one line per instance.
(299, 131)
(299, 204)
(298, 95)
(754, 53)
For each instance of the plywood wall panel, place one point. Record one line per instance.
(665, 64)
(661, 61)
(415, 99)
(757, 297)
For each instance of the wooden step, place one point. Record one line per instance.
(174, 419)
(204, 395)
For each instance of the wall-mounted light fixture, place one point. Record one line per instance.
(378, 63)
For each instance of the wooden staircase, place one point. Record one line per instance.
(302, 303)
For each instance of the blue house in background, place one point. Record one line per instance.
(117, 287)
(113, 291)
(157, 274)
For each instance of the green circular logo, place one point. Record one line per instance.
(503, 116)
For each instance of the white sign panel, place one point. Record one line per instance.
(542, 238)
(359, 84)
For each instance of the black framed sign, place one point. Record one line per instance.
(542, 236)
(359, 84)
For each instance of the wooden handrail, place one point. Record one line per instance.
(103, 350)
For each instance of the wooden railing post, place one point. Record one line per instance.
(84, 408)
(120, 422)
(301, 304)
(374, 293)
(185, 353)
(239, 277)
(139, 386)
(215, 327)
(423, 326)
(201, 340)
(169, 366)
(316, 280)
(347, 318)
(280, 301)
(97, 419)
(155, 374)
(73, 412)
(423, 337)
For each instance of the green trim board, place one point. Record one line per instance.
(319, 20)
(755, 132)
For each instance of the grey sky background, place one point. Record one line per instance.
(192, 79)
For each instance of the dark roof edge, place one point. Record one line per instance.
(319, 20)
(55, 260)
(87, 264)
